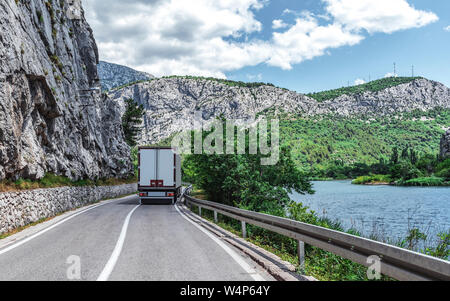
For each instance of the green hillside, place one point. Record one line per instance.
(373, 86)
(318, 142)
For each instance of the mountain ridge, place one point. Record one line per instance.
(171, 101)
(113, 76)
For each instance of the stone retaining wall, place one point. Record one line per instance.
(21, 208)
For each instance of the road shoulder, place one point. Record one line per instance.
(272, 264)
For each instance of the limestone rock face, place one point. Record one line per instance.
(113, 75)
(445, 145)
(170, 103)
(51, 117)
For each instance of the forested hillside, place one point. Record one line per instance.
(318, 142)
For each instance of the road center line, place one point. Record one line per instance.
(109, 267)
(227, 249)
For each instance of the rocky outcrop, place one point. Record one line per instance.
(445, 145)
(52, 116)
(170, 103)
(420, 94)
(18, 209)
(113, 75)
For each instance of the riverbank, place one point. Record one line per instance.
(386, 180)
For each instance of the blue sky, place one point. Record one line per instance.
(317, 45)
(427, 48)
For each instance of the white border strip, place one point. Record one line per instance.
(109, 267)
(234, 255)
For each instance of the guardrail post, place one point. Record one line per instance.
(244, 229)
(200, 211)
(301, 254)
(216, 220)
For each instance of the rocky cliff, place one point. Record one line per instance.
(445, 145)
(52, 117)
(171, 102)
(113, 75)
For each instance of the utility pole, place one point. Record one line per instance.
(412, 69)
(395, 70)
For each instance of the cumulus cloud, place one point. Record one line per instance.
(277, 24)
(378, 15)
(359, 82)
(210, 37)
(447, 28)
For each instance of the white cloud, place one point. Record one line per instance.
(253, 77)
(378, 15)
(447, 28)
(306, 40)
(200, 37)
(359, 82)
(390, 74)
(277, 24)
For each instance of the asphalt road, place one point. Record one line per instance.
(124, 241)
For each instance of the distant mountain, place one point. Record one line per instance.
(113, 76)
(170, 102)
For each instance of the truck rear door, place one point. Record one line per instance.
(147, 166)
(166, 167)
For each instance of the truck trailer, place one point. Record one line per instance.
(159, 174)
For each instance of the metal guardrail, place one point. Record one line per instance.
(398, 263)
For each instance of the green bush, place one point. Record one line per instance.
(372, 179)
(426, 181)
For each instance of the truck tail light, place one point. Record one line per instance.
(142, 194)
(170, 194)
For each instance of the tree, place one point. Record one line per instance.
(394, 157)
(242, 181)
(131, 121)
(405, 153)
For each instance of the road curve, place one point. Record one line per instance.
(159, 244)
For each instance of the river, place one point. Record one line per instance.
(387, 211)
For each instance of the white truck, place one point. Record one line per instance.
(159, 174)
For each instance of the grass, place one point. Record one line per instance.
(54, 181)
(425, 181)
(322, 265)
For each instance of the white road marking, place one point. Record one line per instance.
(109, 267)
(24, 241)
(227, 249)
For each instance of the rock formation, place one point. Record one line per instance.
(52, 116)
(113, 75)
(171, 102)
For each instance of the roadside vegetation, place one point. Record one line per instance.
(373, 86)
(241, 181)
(53, 181)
